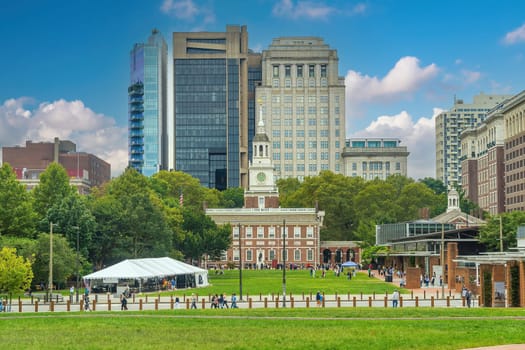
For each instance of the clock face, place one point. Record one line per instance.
(261, 177)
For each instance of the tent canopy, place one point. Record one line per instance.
(350, 264)
(148, 268)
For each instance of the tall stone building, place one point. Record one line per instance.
(303, 100)
(449, 126)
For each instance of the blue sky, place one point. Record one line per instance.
(66, 63)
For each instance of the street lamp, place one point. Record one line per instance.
(442, 261)
(240, 263)
(50, 282)
(284, 263)
(78, 260)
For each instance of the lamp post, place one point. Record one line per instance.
(50, 282)
(240, 263)
(78, 260)
(284, 263)
(442, 261)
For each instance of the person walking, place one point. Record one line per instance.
(468, 296)
(193, 301)
(395, 298)
(234, 301)
(318, 298)
(123, 302)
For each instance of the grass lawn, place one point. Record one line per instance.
(255, 282)
(349, 328)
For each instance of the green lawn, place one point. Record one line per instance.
(349, 328)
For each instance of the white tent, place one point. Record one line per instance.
(151, 268)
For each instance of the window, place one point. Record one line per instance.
(271, 254)
(299, 133)
(288, 156)
(275, 71)
(300, 155)
(300, 167)
(297, 255)
(284, 232)
(324, 144)
(235, 231)
(276, 133)
(249, 232)
(236, 254)
(364, 166)
(297, 231)
(354, 166)
(287, 71)
(309, 255)
(309, 232)
(276, 145)
(312, 167)
(276, 99)
(323, 99)
(224, 255)
(277, 156)
(299, 110)
(398, 166)
(288, 144)
(300, 144)
(299, 122)
(311, 70)
(248, 255)
(260, 231)
(275, 83)
(312, 144)
(323, 70)
(299, 71)
(288, 133)
(312, 156)
(284, 254)
(271, 232)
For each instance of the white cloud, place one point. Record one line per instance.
(418, 137)
(302, 9)
(188, 10)
(68, 120)
(516, 36)
(470, 76)
(405, 78)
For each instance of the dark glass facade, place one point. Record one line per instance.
(207, 120)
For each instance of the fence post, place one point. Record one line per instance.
(140, 304)
(338, 301)
(369, 301)
(448, 301)
(277, 302)
(109, 304)
(324, 300)
(36, 306)
(249, 303)
(265, 303)
(432, 301)
(203, 303)
(307, 302)
(171, 303)
(95, 304)
(374, 295)
(354, 302)
(400, 301)
(386, 301)
(291, 302)
(424, 294)
(417, 301)
(81, 306)
(51, 305)
(68, 305)
(187, 303)
(157, 304)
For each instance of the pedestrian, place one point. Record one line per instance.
(177, 302)
(468, 296)
(193, 301)
(234, 301)
(123, 302)
(318, 298)
(86, 303)
(395, 298)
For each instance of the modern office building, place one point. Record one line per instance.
(482, 162)
(449, 126)
(214, 76)
(372, 158)
(303, 100)
(84, 169)
(513, 111)
(148, 106)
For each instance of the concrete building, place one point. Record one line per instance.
(513, 111)
(212, 97)
(263, 234)
(148, 146)
(482, 163)
(303, 100)
(84, 169)
(374, 158)
(449, 126)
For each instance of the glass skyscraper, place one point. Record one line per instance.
(147, 106)
(211, 106)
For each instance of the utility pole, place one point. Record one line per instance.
(284, 263)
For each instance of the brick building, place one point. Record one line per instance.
(85, 170)
(263, 234)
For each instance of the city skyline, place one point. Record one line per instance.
(66, 70)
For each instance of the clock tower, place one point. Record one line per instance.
(262, 182)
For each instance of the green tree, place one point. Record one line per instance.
(376, 202)
(52, 188)
(64, 259)
(17, 217)
(413, 197)
(203, 236)
(490, 233)
(15, 272)
(232, 198)
(437, 186)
